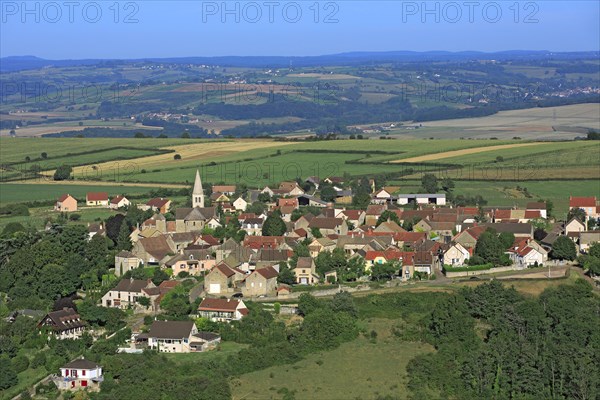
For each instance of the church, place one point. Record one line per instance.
(194, 218)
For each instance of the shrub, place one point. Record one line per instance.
(20, 363)
(177, 157)
(75, 217)
(483, 267)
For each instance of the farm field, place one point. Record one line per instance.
(26, 192)
(369, 370)
(582, 115)
(16, 149)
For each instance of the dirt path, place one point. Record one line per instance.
(463, 152)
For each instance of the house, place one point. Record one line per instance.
(204, 341)
(118, 202)
(425, 198)
(159, 204)
(126, 293)
(125, 261)
(252, 226)
(587, 204)
(574, 226)
(329, 226)
(63, 324)
(306, 271)
(261, 282)
(382, 196)
(319, 245)
(154, 250)
(96, 199)
(355, 217)
(218, 197)
(96, 229)
(194, 262)
(290, 189)
(240, 204)
(526, 254)
(538, 206)
(172, 336)
(586, 239)
(156, 294)
(222, 279)
(455, 255)
(468, 237)
(225, 189)
(222, 310)
(66, 203)
(79, 374)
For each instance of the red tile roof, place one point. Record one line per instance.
(582, 201)
(531, 214)
(63, 197)
(116, 199)
(157, 202)
(96, 196)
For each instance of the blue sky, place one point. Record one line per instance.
(56, 30)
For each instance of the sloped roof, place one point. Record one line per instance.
(156, 246)
(96, 196)
(131, 285)
(171, 329)
(157, 202)
(582, 201)
(268, 272)
(325, 223)
(228, 305)
(81, 364)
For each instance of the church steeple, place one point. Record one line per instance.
(198, 192)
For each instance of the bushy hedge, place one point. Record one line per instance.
(482, 267)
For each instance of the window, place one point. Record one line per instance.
(83, 372)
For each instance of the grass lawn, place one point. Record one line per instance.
(224, 350)
(39, 215)
(360, 369)
(27, 378)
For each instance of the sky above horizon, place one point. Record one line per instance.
(153, 28)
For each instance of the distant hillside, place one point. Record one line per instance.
(18, 63)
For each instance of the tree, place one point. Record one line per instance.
(96, 251)
(44, 155)
(578, 213)
(139, 135)
(185, 135)
(274, 225)
(12, 228)
(123, 240)
(8, 375)
(563, 249)
(286, 275)
(316, 232)
(361, 200)
(307, 304)
(327, 193)
(63, 173)
(257, 208)
(490, 248)
(507, 239)
(143, 301)
(388, 215)
(159, 276)
(343, 302)
(429, 183)
(447, 185)
(384, 271)
(113, 226)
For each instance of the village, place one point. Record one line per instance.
(273, 245)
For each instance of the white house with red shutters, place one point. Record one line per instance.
(79, 374)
